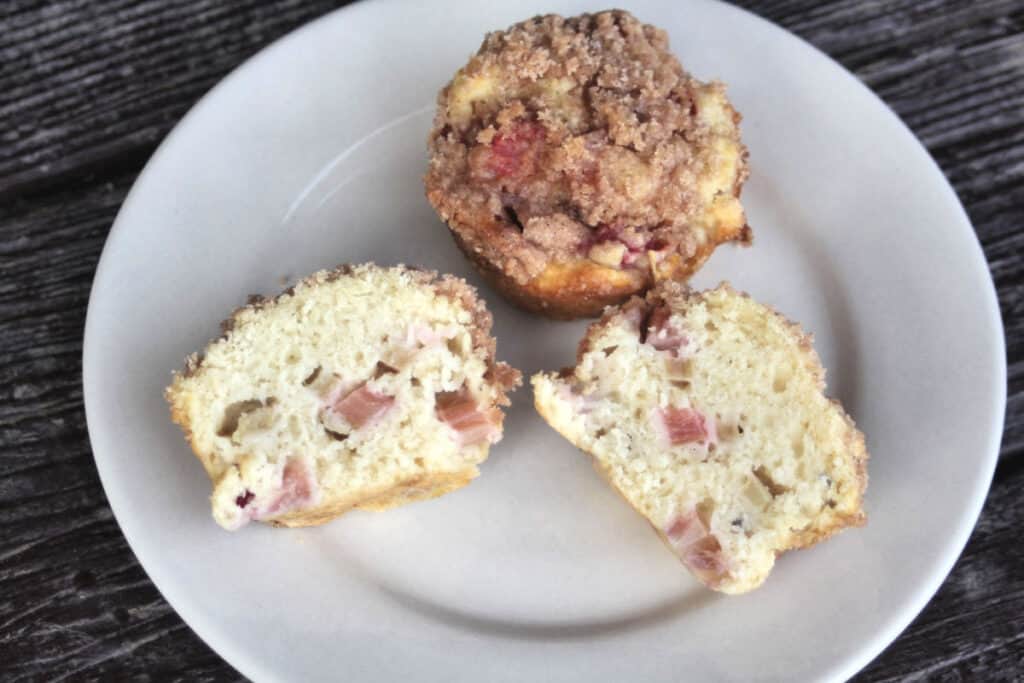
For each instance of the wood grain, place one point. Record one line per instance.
(88, 89)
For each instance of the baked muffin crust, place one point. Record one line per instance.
(577, 163)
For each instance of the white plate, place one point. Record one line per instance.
(311, 155)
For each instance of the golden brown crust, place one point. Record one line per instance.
(179, 416)
(560, 292)
(855, 516)
(580, 288)
(422, 487)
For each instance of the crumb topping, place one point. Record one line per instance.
(583, 138)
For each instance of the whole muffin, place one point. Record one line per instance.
(576, 163)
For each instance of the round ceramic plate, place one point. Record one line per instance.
(311, 154)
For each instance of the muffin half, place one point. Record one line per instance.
(576, 163)
(706, 412)
(364, 387)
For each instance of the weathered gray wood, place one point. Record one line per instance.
(73, 600)
(973, 629)
(87, 83)
(87, 90)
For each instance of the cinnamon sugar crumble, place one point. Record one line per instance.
(583, 139)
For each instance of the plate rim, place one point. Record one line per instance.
(237, 656)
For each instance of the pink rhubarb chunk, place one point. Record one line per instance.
(362, 406)
(699, 550)
(686, 425)
(635, 243)
(662, 334)
(705, 559)
(298, 489)
(685, 530)
(511, 149)
(470, 425)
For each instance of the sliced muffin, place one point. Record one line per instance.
(707, 412)
(364, 387)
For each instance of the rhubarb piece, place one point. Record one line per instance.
(469, 424)
(697, 548)
(361, 407)
(510, 153)
(577, 163)
(662, 332)
(707, 411)
(296, 491)
(685, 425)
(363, 387)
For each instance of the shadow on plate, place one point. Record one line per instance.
(553, 630)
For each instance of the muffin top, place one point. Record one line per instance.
(584, 139)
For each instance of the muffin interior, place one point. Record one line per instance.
(350, 384)
(707, 412)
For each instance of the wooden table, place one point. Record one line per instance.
(88, 89)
